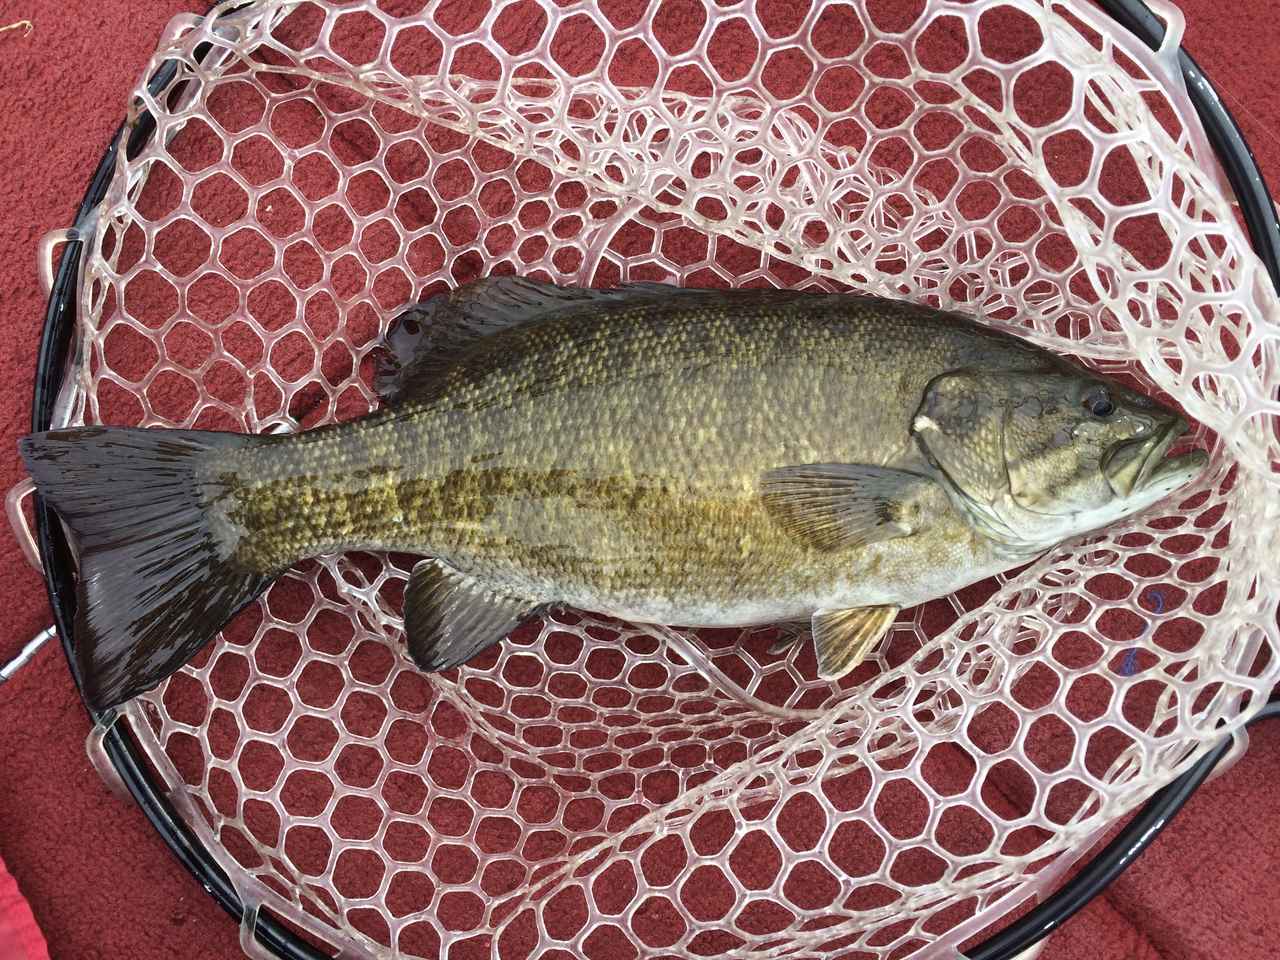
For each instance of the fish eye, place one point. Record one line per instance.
(1098, 402)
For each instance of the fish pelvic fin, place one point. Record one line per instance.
(450, 617)
(843, 638)
(157, 579)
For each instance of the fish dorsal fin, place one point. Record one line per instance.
(450, 617)
(429, 337)
(835, 506)
(843, 638)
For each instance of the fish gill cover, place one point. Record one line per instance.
(609, 790)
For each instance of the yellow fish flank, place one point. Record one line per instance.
(692, 457)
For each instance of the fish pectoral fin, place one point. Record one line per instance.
(843, 638)
(833, 506)
(449, 617)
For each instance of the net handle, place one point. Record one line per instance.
(1224, 135)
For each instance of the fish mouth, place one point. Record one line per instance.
(1140, 465)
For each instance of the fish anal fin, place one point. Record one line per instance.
(450, 617)
(843, 638)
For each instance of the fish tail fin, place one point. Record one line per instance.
(157, 577)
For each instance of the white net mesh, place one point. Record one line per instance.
(588, 789)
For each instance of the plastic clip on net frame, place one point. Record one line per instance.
(55, 360)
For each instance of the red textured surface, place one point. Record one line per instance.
(102, 884)
(20, 938)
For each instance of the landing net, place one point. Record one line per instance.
(596, 789)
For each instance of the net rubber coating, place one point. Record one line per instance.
(300, 171)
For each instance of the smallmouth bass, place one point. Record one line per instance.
(678, 456)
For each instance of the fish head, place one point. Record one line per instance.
(1034, 458)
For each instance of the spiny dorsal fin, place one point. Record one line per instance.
(450, 617)
(430, 336)
(834, 506)
(843, 638)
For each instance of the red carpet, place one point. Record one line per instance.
(99, 881)
(20, 938)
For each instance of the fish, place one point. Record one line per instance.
(665, 455)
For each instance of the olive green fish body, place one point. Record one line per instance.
(611, 459)
(700, 458)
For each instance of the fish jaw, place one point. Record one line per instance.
(1128, 467)
(1163, 476)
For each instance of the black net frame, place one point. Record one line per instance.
(1257, 209)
